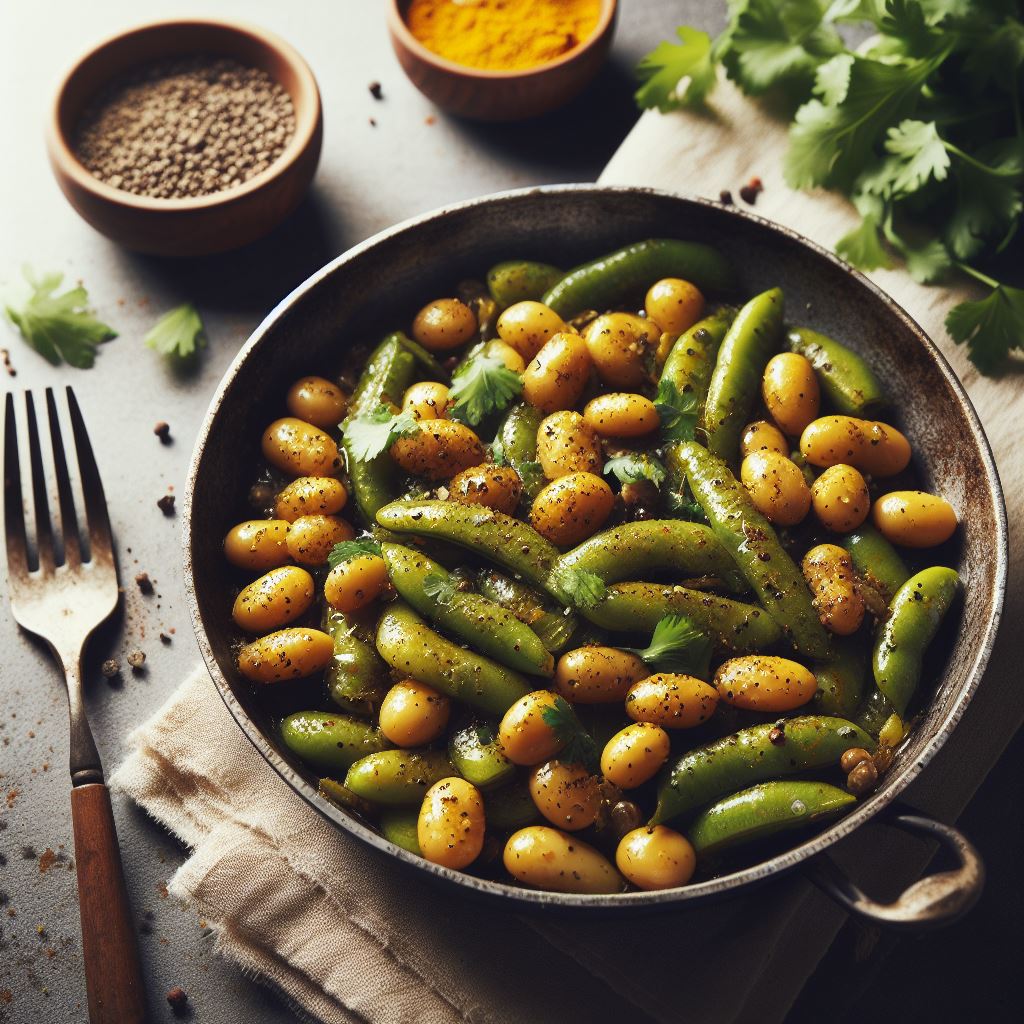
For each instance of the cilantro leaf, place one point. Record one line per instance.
(498, 456)
(532, 476)
(862, 247)
(677, 412)
(440, 588)
(677, 74)
(482, 385)
(349, 549)
(178, 333)
(59, 327)
(921, 154)
(992, 327)
(578, 746)
(580, 588)
(677, 645)
(997, 57)
(988, 200)
(367, 436)
(633, 468)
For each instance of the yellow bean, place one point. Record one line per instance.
(674, 305)
(914, 519)
(318, 401)
(671, 700)
(258, 544)
(498, 349)
(310, 495)
(525, 737)
(300, 449)
(597, 675)
(444, 324)
(875, 448)
(776, 486)
(621, 414)
(527, 325)
(356, 582)
(451, 824)
(656, 857)
(758, 682)
(287, 654)
(438, 450)
(558, 373)
(272, 600)
(566, 794)
(832, 578)
(310, 538)
(840, 498)
(619, 344)
(413, 714)
(790, 391)
(761, 436)
(635, 754)
(571, 508)
(497, 487)
(426, 400)
(565, 444)
(546, 858)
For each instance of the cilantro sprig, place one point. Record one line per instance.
(346, 550)
(581, 588)
(369, 435)
(677, 645)
(481, 386)
(441, 588)
(578, 746)
(179, 333)
(633, 468)
(678, 412)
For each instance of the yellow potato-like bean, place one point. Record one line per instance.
(656, 857)
(498, 349)
(310, 495)
(558, 373)
(413, 714)
(272, 600)
(565, 444)
(444, 324)
(762, 436)
(527, 325)
(635, 754)
(310, 538)
(664, 349)
(258, 544)
(451, 824)
(619, 344)
(318, 401)
(874, 448)
(914, 519)
(621, 414)
(759, 682)
(790, 391)
(287, 654)
(674, 305)
(566, 794)
(671, 700)
(776, 486)
(356, 582)
(426, 400)
(571, 508)
(832, 578)
(438, 450)
(840, 498)
(299, 449)
(546, 858)
(497, 487)
(597, 675)
(524, 735)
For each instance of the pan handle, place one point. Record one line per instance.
(932, 901)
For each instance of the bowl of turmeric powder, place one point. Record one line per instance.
(501, 60)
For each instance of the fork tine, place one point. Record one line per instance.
(44, 529)
(68, 519)
(100, 544)
(14, 509)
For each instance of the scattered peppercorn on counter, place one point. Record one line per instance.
(601, 582)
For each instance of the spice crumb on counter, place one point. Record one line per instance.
(751, 190)
(725, 197)
(163, 431)
(166, 504)
(137, 659)
(376, 91)
(178, 998)
(110, 668)
(144, 583)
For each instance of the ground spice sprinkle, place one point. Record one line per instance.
(184, 127)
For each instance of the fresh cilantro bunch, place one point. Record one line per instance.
(921, 126)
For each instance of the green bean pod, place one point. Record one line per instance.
(736, 379)
(691, 361)
(486, 626)
(398, 777)
(426, 359)
(400, 825)
(509, 808)
(842, 678)
(330, 741)
(846, 379)
(408, 644)
(332, 790)
(629, 272)
(636, 549)
(763, 811)
(517, 280)
(876, 560)
(555, 628)
(356, 678)
(749, 756)
(874, 712)
(914, 617)
(753, 543)
(518, 437)
(478, 757)
(638, 607)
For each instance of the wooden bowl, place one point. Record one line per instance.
(500, 95)
(206, 224)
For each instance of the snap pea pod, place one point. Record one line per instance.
(398, 777)
(628, 272)
(483, 624)
(399, 825)
(503, 539)
(842, 678)
(356, 678)
(915, 614)
(847, 380)
(408, 644)
(553, 627)
(874, 712)
(876, 560)
(478, 757)
(638, 607)
(336, 793)
(763, 811)
(388, 373)
(426, 359)
(634, 550)
(736, 379)
(330, 741)
(509, 808)
(691, 361)
(753, 543)
(518, 438)
(749, 756)
(516, 280)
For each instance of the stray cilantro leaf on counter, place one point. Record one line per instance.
(349, 549)
(59, 327)
(440, 588)
(633, 468)
(583, 589)
(677, 73)
(179, 333)
(678, 412)
(368, 436)
(677, 645)
(482, 385)
(579, 746)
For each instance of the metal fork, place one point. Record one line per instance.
(62, 597)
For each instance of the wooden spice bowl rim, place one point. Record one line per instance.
(400, 28)
(69, 102)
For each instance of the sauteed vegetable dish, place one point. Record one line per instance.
(591, 579)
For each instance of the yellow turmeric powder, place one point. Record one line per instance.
(502, 35)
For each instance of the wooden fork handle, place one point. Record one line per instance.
(113, 975)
